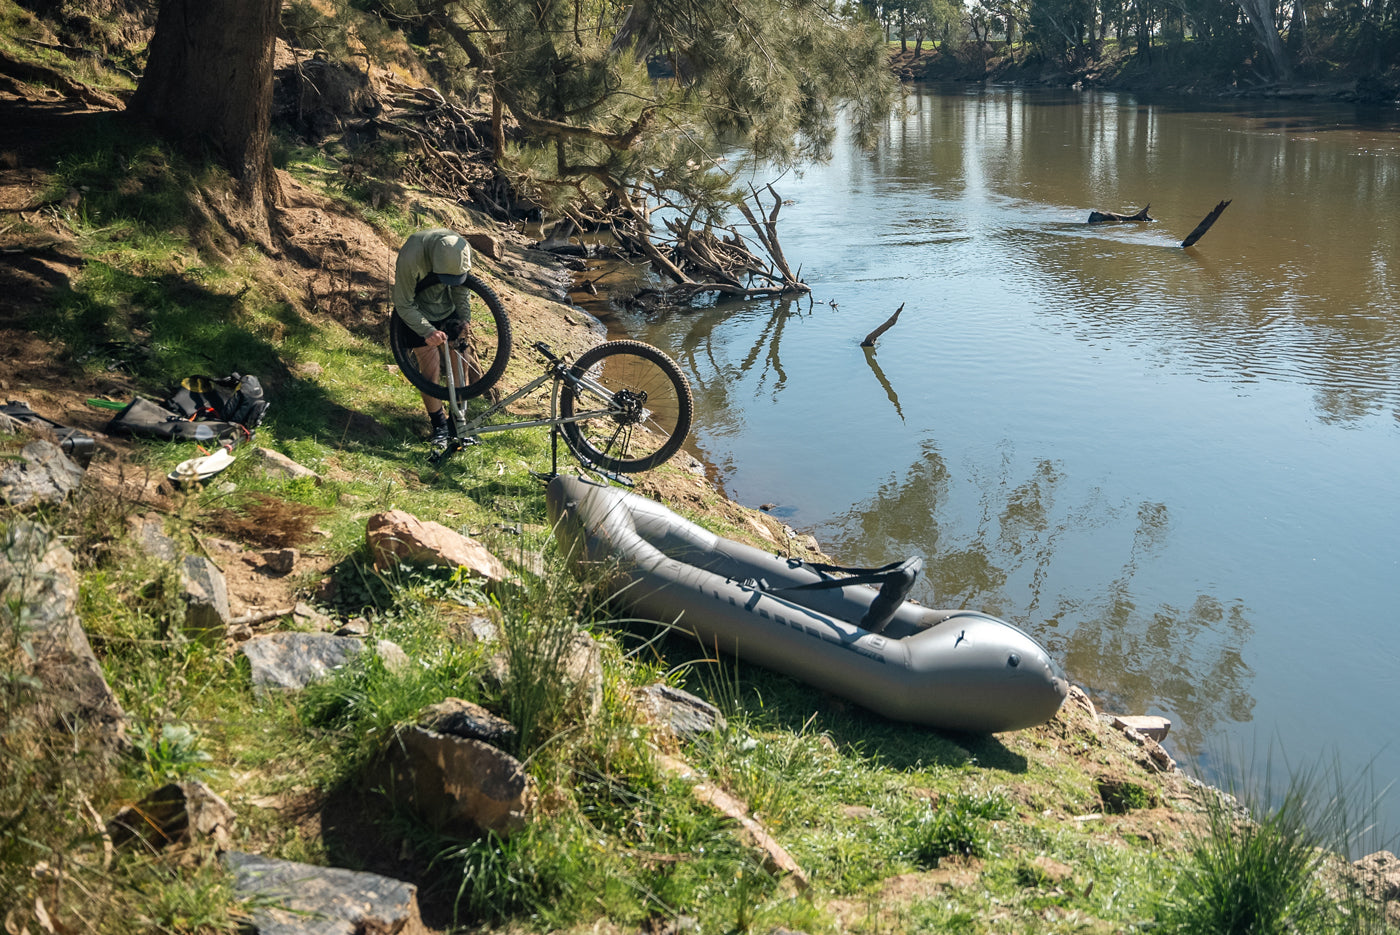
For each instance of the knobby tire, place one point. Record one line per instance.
(649, 401)
(488, 333)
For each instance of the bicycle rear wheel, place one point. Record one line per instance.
(637, 403)
(482, 351)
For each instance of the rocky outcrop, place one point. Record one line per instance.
(459, 785)
(291, 661)
(38, 602)
(396, 536)
(296, 899)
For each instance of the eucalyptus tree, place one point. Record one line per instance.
(1263, 17)
(622, 108)
(208, 87)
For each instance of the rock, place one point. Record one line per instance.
(291, 661)
(460, 785)
(678, 711)
(395, 536)
(355, 626)
(478, 628)
(275, 464)
(310, 616)
(205, 594)
(280, 561)
(39, 586)
(149, 535)
(42, 474)
(1078, 698)
(486, 245)
(1147, 725)
(465, 719)
(179, 813)
(1379, 875)
(301, 899)
(775, 859)
(308, 369)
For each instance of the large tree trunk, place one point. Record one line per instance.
(208, 88)
(1260, 14)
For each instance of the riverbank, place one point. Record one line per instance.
(1077, 824)
(1171, 71)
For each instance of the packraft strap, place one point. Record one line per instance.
(895, 581)
(853, 575)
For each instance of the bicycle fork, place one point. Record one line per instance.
(454, 408)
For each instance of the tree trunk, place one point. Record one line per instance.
(208, 88)
(1260, 14)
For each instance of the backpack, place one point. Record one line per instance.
(235, 398)
(202, 409)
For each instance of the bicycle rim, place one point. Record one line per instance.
(481, 353)
(642, 407)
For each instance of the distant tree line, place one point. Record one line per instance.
(1269, 40)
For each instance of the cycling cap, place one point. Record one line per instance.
(451, 259)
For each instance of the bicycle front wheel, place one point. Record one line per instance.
(627, 405)
(480, 354)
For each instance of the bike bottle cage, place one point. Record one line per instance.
(895, 581)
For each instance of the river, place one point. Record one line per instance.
(1179, 469)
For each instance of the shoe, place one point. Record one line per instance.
(439, 434)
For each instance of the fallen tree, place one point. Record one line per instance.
(1109, 217)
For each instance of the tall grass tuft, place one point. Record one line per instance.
(1275, 867)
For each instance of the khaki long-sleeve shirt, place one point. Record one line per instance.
(421, 309)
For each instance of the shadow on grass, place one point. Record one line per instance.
(775, 701)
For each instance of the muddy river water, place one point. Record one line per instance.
(1177, 468)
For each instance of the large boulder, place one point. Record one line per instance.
(460, 785)
(41, 474)
(38, 603)
(302, 899)
(395, 536)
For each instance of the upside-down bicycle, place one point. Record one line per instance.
(621, 406)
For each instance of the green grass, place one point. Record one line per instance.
(1270, 866)
(976, 827)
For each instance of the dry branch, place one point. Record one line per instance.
(889, 323)
(1106, 217)
(1205, 224)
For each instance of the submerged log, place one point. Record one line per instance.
(1205, 224)
(1109, 217)
(889, 323)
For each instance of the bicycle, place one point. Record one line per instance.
(622, 407)
(483, 347)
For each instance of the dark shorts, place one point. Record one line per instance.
(451, 326)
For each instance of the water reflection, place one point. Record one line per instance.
(1185, 659)
(883, 380)
(1174, 467)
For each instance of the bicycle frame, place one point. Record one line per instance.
(556, 370)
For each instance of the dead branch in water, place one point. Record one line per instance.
(1109, 217)
(889, 322)
(1205, 224)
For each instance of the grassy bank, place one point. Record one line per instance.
(1071, 826)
